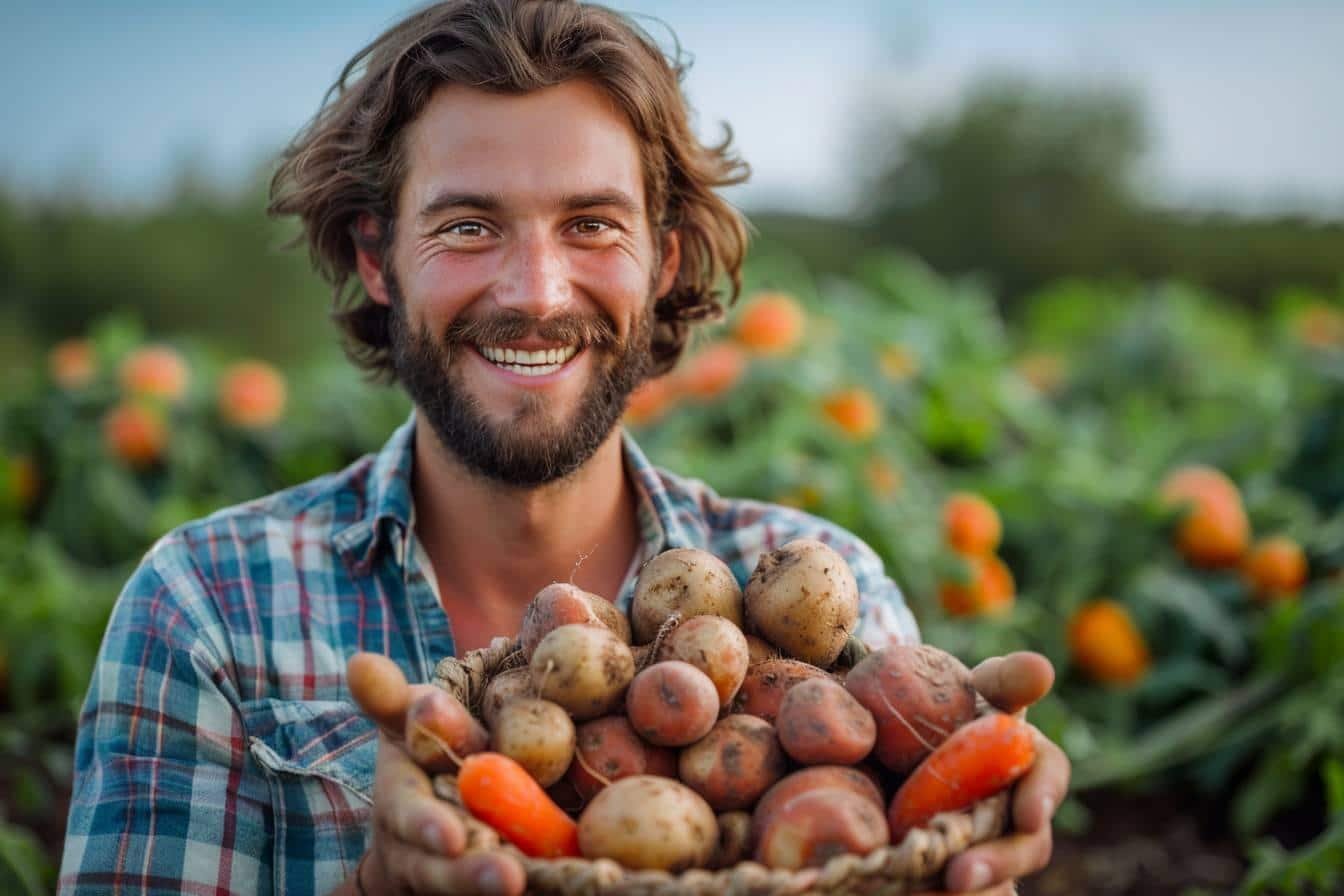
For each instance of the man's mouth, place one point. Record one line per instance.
(528, 363)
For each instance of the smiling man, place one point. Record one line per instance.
(520, 227)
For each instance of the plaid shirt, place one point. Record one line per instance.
(219, 751)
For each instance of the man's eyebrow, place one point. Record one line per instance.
(624, 201)
(446, 199)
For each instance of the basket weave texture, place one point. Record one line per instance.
(908, 867)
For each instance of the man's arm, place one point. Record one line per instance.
(161, 801)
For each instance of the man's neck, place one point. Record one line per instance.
(493, 547)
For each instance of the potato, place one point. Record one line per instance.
(440, 732)
(563, 604)
(671, 704)
(538, 735)
(918, 695)
(766, 683)
(645, 822)
(608, 748)
(584, 668)
(820, 723)
(759, 650)
(714, 646)
(735, 763)
(686, 581)
(505, 686)
(734, 840)
(814, 827)
(819, 777)
(803, 599)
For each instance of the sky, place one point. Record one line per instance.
(1245, 100)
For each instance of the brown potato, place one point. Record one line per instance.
(440, 732)
(918, 695)
(506, 686)
(714, 646)
(734, 840)
(814, 827)
(766, 683)
(645, 822)
(672, 704)
(563, 604)
(802, 598)
(735, 763)
(584, 668)
(608, 748)
(686, 581)
(538, 735)
(759, 650)
(820, 723)
(819, 777)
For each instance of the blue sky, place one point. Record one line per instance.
(1246, 100)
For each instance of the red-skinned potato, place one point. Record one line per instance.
(714, 646)
(735, 763)
(671, 704)
(734, 840)
(814, 827)
(918, 696)
(858, 781)
(820, 723)
(563, 604)
(440, 732)
(763, 689)
(608, 748)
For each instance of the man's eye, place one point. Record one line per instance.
(591, 227)
(468, 229)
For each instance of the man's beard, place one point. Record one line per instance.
(531, 449)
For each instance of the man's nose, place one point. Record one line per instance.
(536, 278)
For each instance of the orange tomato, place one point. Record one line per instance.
(771, 323)
(72, 363)
(155, 371)
(1215, 531)
(854, 411)
(971, 525)
(1106, 645)
(991, 589)
(714, 371)
(135, 434)
(1275, 568)
(651, 400)
(252, 395)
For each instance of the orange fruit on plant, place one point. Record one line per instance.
(651, 400)
(854, 411)
(1275, 568)
(771, 323)
(991, 588)
(714, 371)
(1106, 645)
(1215, 531)
(971, 525)
(155, 371)
(72, 363)
(135, 434)
(252, 395)
(898, 363)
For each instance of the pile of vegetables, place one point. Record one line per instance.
(716, 724)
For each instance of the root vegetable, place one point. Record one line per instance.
(380, 689)
(716, 647)
(686, 581)
(562, 604)
(508, 685)
(538, 735)
(671, 704)
(977, 761)
(918, 695)
(647, 822)
(608, 749)
(803, 599)
(501, 793)
(814, 827)
(584, 668)
(763, 689)
(440, 732)
(820, 723)
(735, 763)
(734, 840)
(818, 777)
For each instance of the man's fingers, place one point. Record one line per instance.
(998, 862)
(1013, 682)
(475, 874)
(406, 807)
(1039, 792)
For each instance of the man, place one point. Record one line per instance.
(529, 225)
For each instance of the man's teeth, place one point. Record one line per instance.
(536, 363)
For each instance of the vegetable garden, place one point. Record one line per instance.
(1141, 482)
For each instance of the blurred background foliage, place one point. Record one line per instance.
(990, 372)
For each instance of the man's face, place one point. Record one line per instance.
(521, 276)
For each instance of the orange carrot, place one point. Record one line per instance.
(978, 760)
(379, 687)
(500, 792)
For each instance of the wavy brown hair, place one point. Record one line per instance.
(349, 160)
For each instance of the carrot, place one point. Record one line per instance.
(380, 689)
(500, 792)
(978, 760)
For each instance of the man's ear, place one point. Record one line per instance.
(671, 263)
(368, 237)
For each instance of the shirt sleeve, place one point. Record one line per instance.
(884, 616)
(161, 801)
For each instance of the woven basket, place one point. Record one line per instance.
(911, 866)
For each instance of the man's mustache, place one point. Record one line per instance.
(568, 328)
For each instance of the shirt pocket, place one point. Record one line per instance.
(318, 757)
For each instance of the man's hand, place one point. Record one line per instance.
(418, 840)
(1012, 683)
